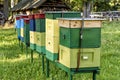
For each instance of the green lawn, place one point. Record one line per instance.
(14, 65)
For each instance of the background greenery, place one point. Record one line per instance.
(14, 65)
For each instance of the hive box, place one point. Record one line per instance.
(52, 32)
(22, 26)
(40, 22)
(70, 33)
(89, 57)
(40, 42)
(32, 22)
(33, 40)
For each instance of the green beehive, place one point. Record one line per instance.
(26, 32)
(52, 32)
(40, 33)
(80, 41)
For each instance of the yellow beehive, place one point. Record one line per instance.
(52, 44)
(40, 38)
(89, 57)
(73, 23)
(52, 35)
(22, 32)
(32, 37)
(52, 28)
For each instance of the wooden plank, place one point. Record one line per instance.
(78, 23)
(52, 44)
(22, 32)
(32, 37)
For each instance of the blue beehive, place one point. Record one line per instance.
(17, 26)
(32, 32)
(22, 27)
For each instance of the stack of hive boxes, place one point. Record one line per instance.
(26, 31)
(40, 32)
(52, 32)
(80, 51)
(32, 32)
(22, 27)
(17, 26)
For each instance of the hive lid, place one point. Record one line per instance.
(17, 17)
(39, 15)
(31, 16)
(26, 20)
(78, 22)
(61, 12)
(24, 16)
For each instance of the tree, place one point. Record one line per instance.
(88, 5)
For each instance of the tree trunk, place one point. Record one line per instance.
(87, 9)
(6, 9)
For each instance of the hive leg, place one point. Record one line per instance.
(47, 67)
(43, 63)
(71, 77)
(94, 75)
(31, 56)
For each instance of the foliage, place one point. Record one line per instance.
(106, 4)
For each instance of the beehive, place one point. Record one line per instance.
(26, 32)
(80, 41)
(89, 57)
(32, 40)
(40, 42)
(52, 32)
(17, 26)
(32, 31)
(22, 26)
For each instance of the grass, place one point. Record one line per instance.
(15, 66)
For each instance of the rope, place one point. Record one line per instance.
(80, 50)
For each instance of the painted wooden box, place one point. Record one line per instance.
(33, 40)
(32, 22)
(71, 32)
(22, 17)
(40, 42)
(52, 46)
(88, 57)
